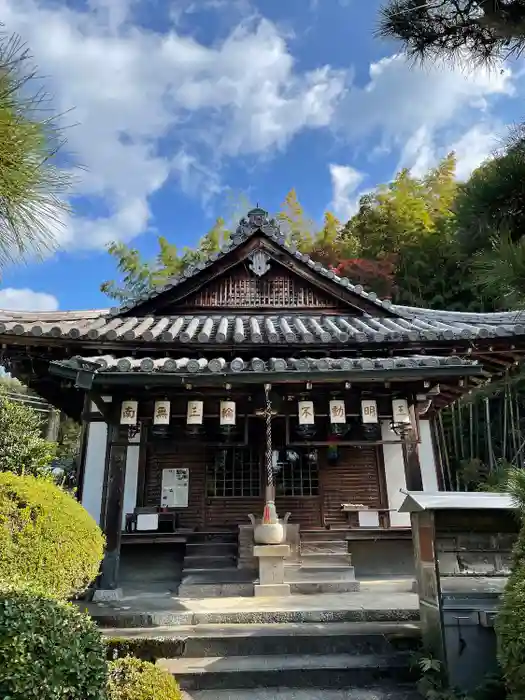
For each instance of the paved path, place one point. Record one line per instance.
(301, 694)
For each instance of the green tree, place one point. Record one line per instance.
(327, 245)
(138, 276)
(410, 223)
(296, 226)
(32, 186)
(492, 202)
(22, 447)
(403, 211)
(430, 29)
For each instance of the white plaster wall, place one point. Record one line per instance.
(427, 459)
(97, 434)
(394, 476)
(132, 473)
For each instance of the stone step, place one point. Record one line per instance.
(386, 691)
(297, 572)
(318, 535)
(272, 639)
(211, 548)
(198, 561)
(214, 574)
(319, 585)
(326, 560)
(376, 604)
(322, 546)
(230, 589)
(219, 536)
(298, 671)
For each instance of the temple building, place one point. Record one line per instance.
(257, 375)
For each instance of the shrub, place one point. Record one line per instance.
(23, 450)
(49, 650)
(48, 542)
(131, 679)
(510, 623)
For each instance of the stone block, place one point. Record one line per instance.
(473, 541)
(271, 589)
(103, 595)
(271, 550)
(448, 563)
(477, 563)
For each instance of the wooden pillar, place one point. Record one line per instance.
(114, 504)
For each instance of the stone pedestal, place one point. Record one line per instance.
(271, 570)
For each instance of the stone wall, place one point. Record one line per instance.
(480, 554)
(246, 560)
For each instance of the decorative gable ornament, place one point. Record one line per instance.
(259, 262)
(257, 219)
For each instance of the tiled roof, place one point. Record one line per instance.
(218, 365)
(256, 221)
(286, 329)
(509, 318)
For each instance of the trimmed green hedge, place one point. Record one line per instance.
(48, 541)
(132, 679)
(49, 650)
(510, 624)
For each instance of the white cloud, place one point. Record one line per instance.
(401, 97)
(474, 146)
(425, 112)
(153, 107)
(133, 91)
(26, 300)
(423, 151)
(345, 181)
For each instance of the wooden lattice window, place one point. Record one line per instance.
(233, 472)
(277, 289)
(297, 473)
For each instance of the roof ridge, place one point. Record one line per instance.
(256, 220)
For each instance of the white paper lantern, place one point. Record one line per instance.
(227, 413)
(337, 411)
(400, 412)
(161, 413)
(128, 412)
(306, 413)
(369, 411)
(195, 415)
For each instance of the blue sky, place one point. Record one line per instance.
(181, 107)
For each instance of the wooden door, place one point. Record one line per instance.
(355, 478)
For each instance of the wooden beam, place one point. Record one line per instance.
(114, 508)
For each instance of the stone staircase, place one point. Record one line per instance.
(210, 566)
(369, 659)
(210, 569)
(325, 564)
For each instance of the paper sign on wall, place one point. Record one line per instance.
(175, 487)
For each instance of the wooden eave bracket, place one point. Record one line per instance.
(104, 407)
